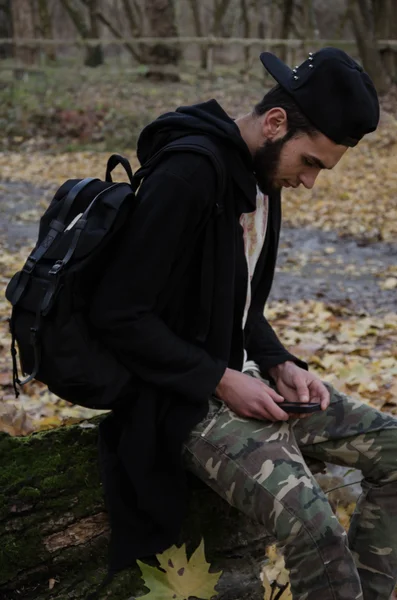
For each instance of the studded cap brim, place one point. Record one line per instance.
(277, 69)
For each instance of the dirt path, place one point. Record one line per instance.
(18, 212)
(312, 264)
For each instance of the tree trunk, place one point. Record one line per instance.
(260, 10)
(363, 27)
(76, 13)
(385, 17)
(54, 530)
(163, 59)
(130, 47)
(220, 10)
(5, 27)
(45, 28)
(244, 11)
(94, 56)
(288, 10)
(135, 20)
(194, 5)
(23, 24)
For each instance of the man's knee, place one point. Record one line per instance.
(381, 447)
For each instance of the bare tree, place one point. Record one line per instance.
(195, 7)
(162, 23)
(23, 25)
(87, 27)
(247, 9)
(260, 11)
(45, 27)
(385, 18)
(134, 18)
(219, 10)
(245, 18)
(363, 24)
(287, 11)
(5, 27)
(95, 55)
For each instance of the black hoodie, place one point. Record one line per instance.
(148, 310)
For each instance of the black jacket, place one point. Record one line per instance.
(177, 341)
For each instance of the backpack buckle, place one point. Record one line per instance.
(56, 267)
(29, 265)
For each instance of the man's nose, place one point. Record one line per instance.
(308, 178)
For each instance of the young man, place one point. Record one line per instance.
(182, 307)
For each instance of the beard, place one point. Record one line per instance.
(266, 161)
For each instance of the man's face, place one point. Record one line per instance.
(290, 162)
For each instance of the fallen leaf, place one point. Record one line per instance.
(51, 584)
(389, 284)
(179, 578)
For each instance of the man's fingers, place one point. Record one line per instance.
(302, 388)
(268, 409)
(276, 411)
(274, 395)
(320, 394)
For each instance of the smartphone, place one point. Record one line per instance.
(299, 408)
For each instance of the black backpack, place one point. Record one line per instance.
(51, 293)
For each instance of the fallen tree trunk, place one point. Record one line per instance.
(54, 531)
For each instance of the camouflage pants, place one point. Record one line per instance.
(259, 467)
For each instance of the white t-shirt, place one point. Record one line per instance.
(254, 225)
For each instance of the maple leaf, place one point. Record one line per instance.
(179, 579)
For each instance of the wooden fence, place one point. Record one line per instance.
(206, 41)
(293, 47)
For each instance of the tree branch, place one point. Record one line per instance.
(220, 10)
(139, 13)
(131, 19)
(76, 17)
(101, 17)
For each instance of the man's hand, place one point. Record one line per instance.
(298, 385)
(250, 397)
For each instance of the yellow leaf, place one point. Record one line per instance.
(179, 578)
(389, 284)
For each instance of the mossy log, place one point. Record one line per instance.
(54, 530)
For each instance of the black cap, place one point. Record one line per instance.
(333, 92)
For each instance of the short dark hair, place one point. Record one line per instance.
(297, 121)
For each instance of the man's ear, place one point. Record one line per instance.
(274, 124)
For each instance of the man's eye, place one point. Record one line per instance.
(308, 162)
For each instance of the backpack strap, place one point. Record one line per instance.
(117, 159)
(57, 226)
(201, 144)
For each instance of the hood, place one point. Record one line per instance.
(207, 118)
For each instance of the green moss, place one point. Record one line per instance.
(57, 470)
(38, 460)
(28, 494)
(19, 552)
